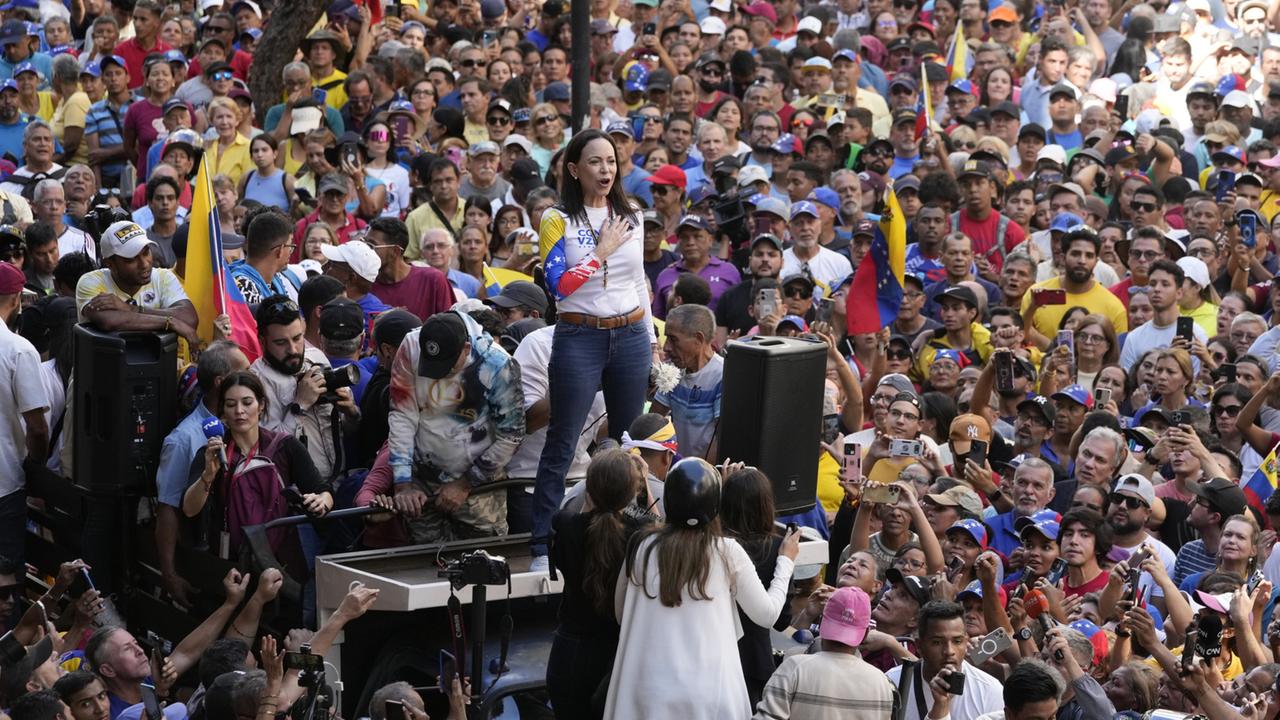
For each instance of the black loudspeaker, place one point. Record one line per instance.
(771, 413)
(125, 403)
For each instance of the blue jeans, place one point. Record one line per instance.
(584, 360)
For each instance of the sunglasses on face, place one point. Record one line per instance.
(1128, 501)
(661, 189)
(794, 293)
(1228, 410)
(498, 121)
(379, 135)
(545, 120)
(898, 354)
(1142, 207)
(222, 75)
(470, 63)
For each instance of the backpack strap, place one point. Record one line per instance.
(332, 84)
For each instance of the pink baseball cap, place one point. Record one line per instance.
(846, 617)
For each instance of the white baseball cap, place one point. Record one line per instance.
(751, 174)
(518, 140)
(362, 258)
(810, 24)
(1053, 153)
(712, 26)
(721, 5)
(1195, 270)
(124, 239)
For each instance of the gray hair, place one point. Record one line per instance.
(215, 362)
(1106, 434)
(1035, 463)
(66, 69)
(295, 66)
(846, 39)
(43, 186)
(33, 125)
(400, 691)
(247, 692)
(436, 233)
(694, 318)
(342, 348)
(1248, 317)
(1080, 647)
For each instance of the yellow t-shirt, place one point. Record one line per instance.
(830, 494)
(1233, 669)
(475, 133)
(1270, 204)
(232, 162)
(1206, 316)
(1097, 299)
(336, 96)
(45, 112)
(71, 112)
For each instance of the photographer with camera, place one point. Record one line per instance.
(457, 416)
(293, 373)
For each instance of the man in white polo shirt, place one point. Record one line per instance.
(25, 433)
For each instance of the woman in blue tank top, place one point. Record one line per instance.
(267, 183)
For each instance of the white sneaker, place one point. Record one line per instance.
(540, 564)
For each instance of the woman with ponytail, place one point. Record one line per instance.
(677, 603)
(588, 549)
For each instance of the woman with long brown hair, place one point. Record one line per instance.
(588, 549)
(683, 584)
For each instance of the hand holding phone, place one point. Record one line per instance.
(852, 471)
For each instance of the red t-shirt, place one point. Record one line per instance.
(701, 109)
(424, 292)
(140, 196)
(344, 233)
(134, 54)
(1094, 585)
(146, 119)
(1121, 291)
(984, 234)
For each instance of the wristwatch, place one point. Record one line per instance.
(1023, 634)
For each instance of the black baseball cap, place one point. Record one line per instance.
(441, 340)
(341, 319)
(392, 325)
(1033, 129)
(521, 293)
(919, 588)
(961, 293)
(1224, 496)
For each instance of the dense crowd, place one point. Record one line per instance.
(1036, 241)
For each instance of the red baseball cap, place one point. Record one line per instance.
(11, 279)
(669, 175)
(760, 8)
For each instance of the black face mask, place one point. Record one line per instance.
(708, 86)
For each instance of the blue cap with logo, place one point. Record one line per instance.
(1064, 221)
(1076, 394)
(804, 207)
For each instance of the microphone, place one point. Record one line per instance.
(213, 429)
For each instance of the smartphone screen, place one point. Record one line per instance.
(448, 669)
(395, 710)
(1186, 328)
(1249, 230)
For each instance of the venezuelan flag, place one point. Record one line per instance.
(924, 106)
(206, 281)
(959, 61)
(1264, 481)
(877, 283)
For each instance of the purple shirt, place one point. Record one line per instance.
(719, 274)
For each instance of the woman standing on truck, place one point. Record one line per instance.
(588, 548)
(683, 586)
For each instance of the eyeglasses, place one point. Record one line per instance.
(216, 28)
(470, 63)
(661, 189)
(715, 72)
(802, 122)
(379, 135)
(1228, 410)
(1142, 207)
(1090, 339)
(898, 354)
(913, 295)
(794, 293)
(424, 93)
(651, 120)
(1144, 255)
(898, 415)
(498, 121)
(1128, 501)
(545, 120)
(1202, 252)
(222, 75)
(879, 152)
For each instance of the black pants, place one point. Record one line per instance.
(575, 670)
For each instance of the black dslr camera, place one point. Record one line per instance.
(100, 217)
(337, 378)
(477, 568)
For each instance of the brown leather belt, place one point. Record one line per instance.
(601, 323)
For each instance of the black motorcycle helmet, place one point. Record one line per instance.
(691, 494)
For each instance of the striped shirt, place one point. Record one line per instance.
(108, 123)
(826, 685)
(1192, 558)
(695, 406)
